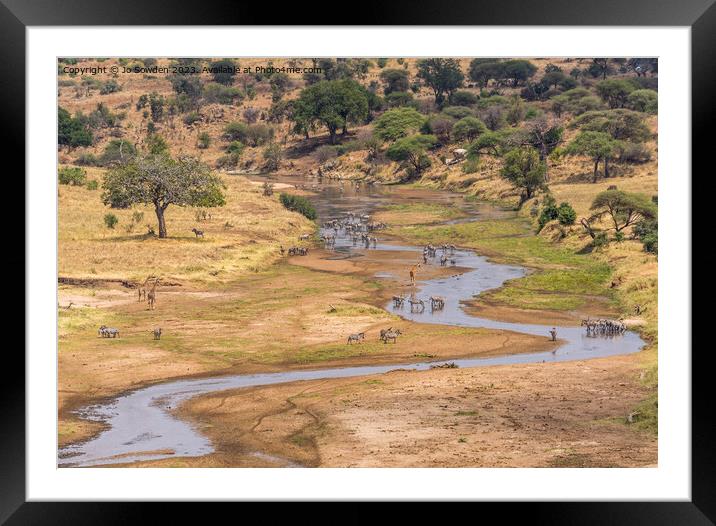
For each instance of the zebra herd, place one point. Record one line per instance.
(111, 332)
(430, 251)
(604, 327)
(385, 335)
(356, 227)
(418, 305)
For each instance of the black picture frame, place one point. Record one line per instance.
(700, 15)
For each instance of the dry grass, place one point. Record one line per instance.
(258, 224)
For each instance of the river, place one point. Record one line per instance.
(141, 426)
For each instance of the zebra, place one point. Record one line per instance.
(101, 330)
(398, 301)
(437, 303)
(413, 303)
(198, 233)
(157, 333)
(383, 332)
(356, 337)
(443, 260)
(110, 332)
(391, 335)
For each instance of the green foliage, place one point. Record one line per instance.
(394, 80)
(272, 154)
(458, 112)
(117, 151)
(482, 70)
(468, 129)
(615, 92)
(490, 143)
(381, 62)
(92, 184)
(463, 98)
(87, 159)
(191, 118)
(250, 134)
(645, 100)
(156, 144)
(72, 132)
(111, 86)
(223, 71)
(203, 140)
(623, 208)
(397, 123)
(334, 104)
(399, 99)
(299, 204)
(549, 212)
(71, 176)
(621, 124)
(566, 214)
(110, 220)
(443, 75)
(524, 170)
(411, 151)
(518, 71)
(647, 231)
(597, 145)
(220, 94)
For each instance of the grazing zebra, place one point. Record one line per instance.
(391, 335)
(101, 330)
(383, 332)
(357, 338)
(157, 333)
(198, 233)
(109, 332)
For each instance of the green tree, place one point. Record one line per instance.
(71, 131)
(397, 123)
(468, 129)
(615, 92)
(162, 181)
(394, 80)
(566, 214)
(524, 170)
(482, 70)
(273, 154)
(156, 144)
(110, 221)
(442, 75)
(333, 104)
(597, 145)
(518, 71)
(299, 204)
(71, 176)
(117, 151)
(623, 208)
(645, 100)
(412, 152)
(621, 124)
(223, 71)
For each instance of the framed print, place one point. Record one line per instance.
(360, 263)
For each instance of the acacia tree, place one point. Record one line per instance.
(411, 150)
(443, 75)
(623, 208)
(523, 168)
(162, 181)
(598, 145)
(333, 104)
(468, 128)
(395, 80)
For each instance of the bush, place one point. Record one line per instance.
(191, 118)
(251, 134)
(548, 213)
(326, 153)
(566, 214)
(633, 153)
(92, 185)
(463, 98)
(273, 154)
(600, 240)
(117, 151)
(111, 86)
(203, 140)
(647, 231)
(87, 159)
(397, 123)
(458, 112)
(110, 220)
(297, 203)
(72, 176)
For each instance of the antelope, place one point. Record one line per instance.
(198, 233)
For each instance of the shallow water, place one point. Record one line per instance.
(141, 427)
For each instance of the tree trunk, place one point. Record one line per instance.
(160, 219)
(606, 168)
(332, 137)
(596, 173)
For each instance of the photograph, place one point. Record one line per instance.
(357, 261)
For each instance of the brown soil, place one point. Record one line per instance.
(515, 416)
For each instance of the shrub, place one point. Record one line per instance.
(566, 214)
(110, 220)
(397, 123)
(273, 154)
(326, 153)
(548, 213)
(600, 240)
(632, 152)
(458, 112)
(117, 150)
(92, 185)
(217, 93)
(645, 100)
(191, 118)
(463, 98)
(72, 176)
(297, 203)
(111, 86)
(203, 140)
(251, 134)
(647, 231)
(87, 159)
(398, 99)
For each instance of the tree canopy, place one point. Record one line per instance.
(442, 75)
(72, 131)
(411, 150)
(598, 145)
(397, 123)
(331, 103)
(523, 168)
(623, 208)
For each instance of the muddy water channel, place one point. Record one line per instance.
(140, 425)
